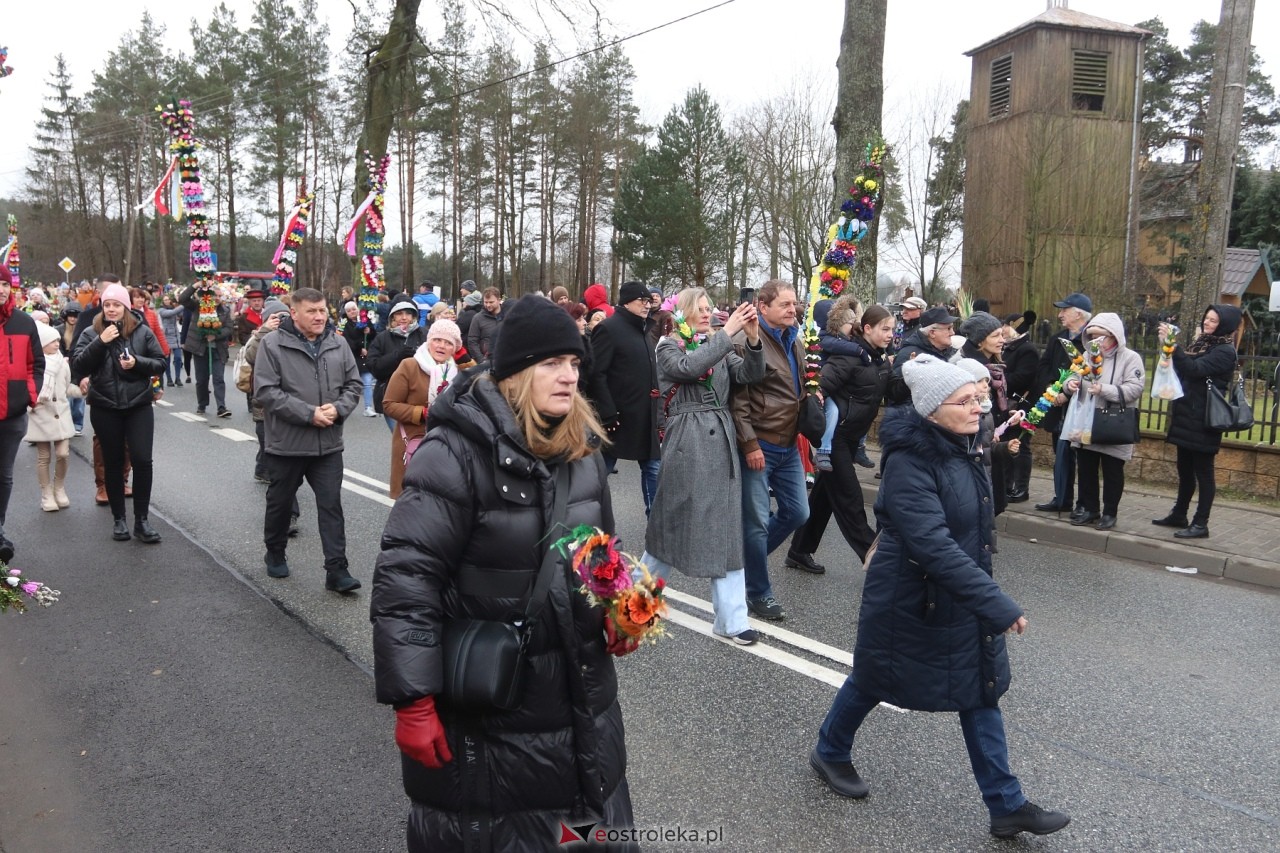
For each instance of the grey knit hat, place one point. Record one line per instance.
(979, 324)
(932, 381)
(974, 368)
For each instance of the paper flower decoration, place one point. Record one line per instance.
(180, 121)
(295, 231)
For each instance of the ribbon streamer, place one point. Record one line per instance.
(349, 242)
(289, 222)
(157, 194)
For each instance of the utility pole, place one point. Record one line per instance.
(1208, 246)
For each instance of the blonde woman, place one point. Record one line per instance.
(464, 540)
(695, 524)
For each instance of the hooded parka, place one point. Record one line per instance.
(1218, 363)
(392, 346)
(462, 542)
(1123, 377)
(932, 622)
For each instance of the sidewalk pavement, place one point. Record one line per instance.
(1243, 543)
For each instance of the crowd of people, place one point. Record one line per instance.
(506, 418)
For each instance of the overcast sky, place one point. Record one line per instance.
(741, 52)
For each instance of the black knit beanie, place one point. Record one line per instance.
(534, 329)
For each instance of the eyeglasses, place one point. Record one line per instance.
(967, 402)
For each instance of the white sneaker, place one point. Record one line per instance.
(369, 412)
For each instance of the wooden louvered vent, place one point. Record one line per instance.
(1088, 81)
(1001, 87)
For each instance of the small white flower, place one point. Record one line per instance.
(11, 580)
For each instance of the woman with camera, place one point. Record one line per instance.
(117, 358)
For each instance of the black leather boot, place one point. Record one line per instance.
(120, 532)
(1195, 531)
(144, 531)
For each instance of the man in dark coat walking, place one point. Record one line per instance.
(208, 345)
(1074, 313)
(625, 385)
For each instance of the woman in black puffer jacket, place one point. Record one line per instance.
(463, 541)
(400, 340)
(119, 354)
(1211, 356)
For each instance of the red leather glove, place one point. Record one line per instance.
(420, 734)
(616, 643)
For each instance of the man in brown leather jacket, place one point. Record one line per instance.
(766, 416)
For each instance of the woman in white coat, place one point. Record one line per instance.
(49, 425)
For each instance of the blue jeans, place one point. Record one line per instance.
(173, 366)
(77, 412)
(367, 379)
(728, 596)
(832, 414)
(648, 477)
(1064, 473)
(984, 737)
(763, 531)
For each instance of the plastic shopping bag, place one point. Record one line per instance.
(1079, 417)
(1165, 384)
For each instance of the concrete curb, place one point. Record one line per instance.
(1052, 530)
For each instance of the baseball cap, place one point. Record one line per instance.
(1076, 300)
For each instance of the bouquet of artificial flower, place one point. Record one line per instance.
(616, 581)
(14, 591)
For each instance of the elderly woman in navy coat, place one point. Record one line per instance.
(932, 624)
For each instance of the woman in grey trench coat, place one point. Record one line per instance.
(696, 521)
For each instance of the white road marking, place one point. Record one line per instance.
(164, 403)
(190, 417)
(368, 493)
(773, 654)
(356, 475)
(233, 434)
(800, 641)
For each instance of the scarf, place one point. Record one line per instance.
(1204, 343)
(253, 317)
(438, 375)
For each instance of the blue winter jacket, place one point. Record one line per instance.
(930, 631)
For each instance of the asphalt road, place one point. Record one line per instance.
(219, 709)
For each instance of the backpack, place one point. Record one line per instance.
(242, 370)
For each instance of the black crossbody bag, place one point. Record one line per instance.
(484, 658)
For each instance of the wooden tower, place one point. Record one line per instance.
(1051, 162)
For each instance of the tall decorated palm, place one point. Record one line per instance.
(372, 276)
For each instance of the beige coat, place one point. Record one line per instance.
(51, 419)
(405, 402)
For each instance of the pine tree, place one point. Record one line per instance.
(673, 205)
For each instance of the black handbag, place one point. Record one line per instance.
(812, 419)
(484, 658)
(1114, 426)
(1227, 415)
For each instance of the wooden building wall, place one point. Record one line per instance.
(1047, 193)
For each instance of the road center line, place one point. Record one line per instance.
(233, 434)
(368, 493)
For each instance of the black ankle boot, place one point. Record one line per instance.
(120, 532)
(1195, 531)
(144, 531)
(1173, 519)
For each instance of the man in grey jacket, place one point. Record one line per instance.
(308, 383)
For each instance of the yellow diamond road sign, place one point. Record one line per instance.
(67, 264)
